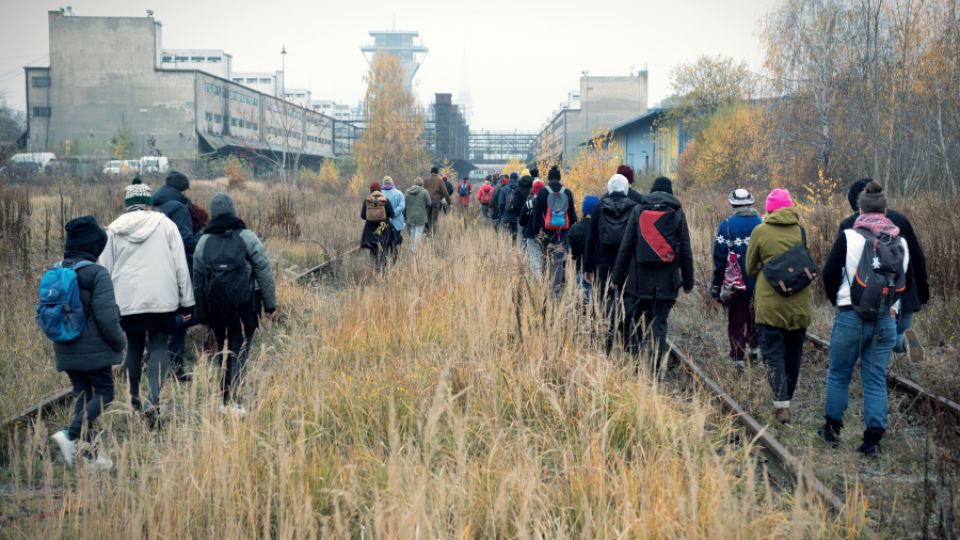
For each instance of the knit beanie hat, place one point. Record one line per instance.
(854, 194)
(375, 186)
(554, 174)
(777, 199)
(513, 176)
(872, 199)
(537, 186)
(178, 181)
(84, 234)
(137, 193)
(626, 172)
(589, 203)
(434, 170)
(662, 184)
(220, 204)
(740, 197)
(535, 172)
(387, 181)
(504, 180)
(618, 183)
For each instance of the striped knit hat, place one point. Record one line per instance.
(137, 193)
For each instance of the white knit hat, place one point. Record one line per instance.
(741, 197)
(618, 183)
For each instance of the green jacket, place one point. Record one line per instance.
(418, 204)
(779, 232)
(262, 271)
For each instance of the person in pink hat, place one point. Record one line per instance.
(782, 320)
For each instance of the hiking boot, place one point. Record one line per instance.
(871, 442)
(100, 463)
(782, 414)
(754, 354)
(914, 348)
(152, 416)
(67, 447)
(830, 432)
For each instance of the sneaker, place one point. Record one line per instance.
(914, 348)
(68, 448)
(782, 414)
(101, 463)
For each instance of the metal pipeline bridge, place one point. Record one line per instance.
(498, 147)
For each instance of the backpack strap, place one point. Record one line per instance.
(803, 235)
(80, 264)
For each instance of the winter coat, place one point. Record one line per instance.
(483, 192)
(147, 263)
(597, 254)
(417, 203)
(436, 188)
(841, 265)
(449, 186)
(779, 232)
(918, 286)
(540, 208)
(176, 206)
(102, 341)
(466, 197)
(654, 281)
(256, 257)
(520, 192)
(508, 215)
(395, 196)
(734, 234)
(374, 237)
(577, 239)
(495, 202)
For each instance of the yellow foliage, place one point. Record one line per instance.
(329, 177)
(594, 166)
(822, 192)
(513, 166)
(733, 149)
(357, 185)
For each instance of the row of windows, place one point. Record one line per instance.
(211, 88)
(191, 59)
(40, 82)
(235, 122)
(253, 80)
(41, 111)
(318, 140)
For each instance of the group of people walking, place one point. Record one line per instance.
(137, 286)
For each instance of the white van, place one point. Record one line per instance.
(25, 164)
(158, 165)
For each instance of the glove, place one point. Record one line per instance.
(715, 292)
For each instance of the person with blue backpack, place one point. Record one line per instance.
(554, 212)
(731, 285)
(78, 312)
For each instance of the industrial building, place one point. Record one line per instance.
(109, 75)
(651, 143)
(600, 104)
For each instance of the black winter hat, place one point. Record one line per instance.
(854, 194)
(872, 199)
(434, 170)
(535, 172)
(514, 176)
(662, 184)
(178, 181)
(84, 231)
(554, 174)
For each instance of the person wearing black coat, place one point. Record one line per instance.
(650, 291)
(377, 235)
(88, 360)
(554, 242)
(510, 214)
(918, 286)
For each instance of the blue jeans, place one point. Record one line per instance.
(904, 322)
(854, 339)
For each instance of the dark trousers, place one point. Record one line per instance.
(158, 364)
(178, 344)
(782, 350)
(238, 339)
(432, 219)
(649, 313)
(94, 390)
(512, 227)
(741, 328)
(612, 309)
(555, 252)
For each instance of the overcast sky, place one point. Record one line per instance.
(511, 61)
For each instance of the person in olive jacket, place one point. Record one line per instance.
(88, 360)
(782, 321)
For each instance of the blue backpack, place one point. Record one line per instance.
(60, 313)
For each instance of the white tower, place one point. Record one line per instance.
(403, 44)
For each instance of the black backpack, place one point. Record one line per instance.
(659, 233)
(793, 270)
(614, 216)
(880, 280)
(508, 202)
(229, 280)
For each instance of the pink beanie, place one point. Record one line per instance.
(777, 199)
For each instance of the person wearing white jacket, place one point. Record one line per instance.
(147, 263)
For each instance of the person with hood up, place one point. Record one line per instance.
(733, 236)
(782, 321)
(172, 201)
(376, 213)
(437, 189)
(397, 200)
(512, 200)
(230, 302)
(578, 242)
(495, 201)
(607, 229)
(147, 262)
(417, 203)
(653, 263)
(553, 237)
(530, 243)
(918, 286)
(854, 337)
(485, 196)
(627, 172)
(88, 360)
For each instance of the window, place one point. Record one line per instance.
(196, 59)
(238, 80)
(209, 116)
(166, 59)
(233, 122)
(41, 112)
(40, 82)
(251, 79)
(180, 59)
(265, 80)
(213, 59)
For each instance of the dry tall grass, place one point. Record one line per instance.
(450, 398)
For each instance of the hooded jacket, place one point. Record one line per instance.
(521, 189)
(841, 265)
(660, 281)
(485, 191)
(147, 263)
(733, 234)
(538, 217)
(395, 196)
(495, 201)
(176, 206)
(436, 188)
(102, 341)
(596, 254)
(417, 203)
(779, 232)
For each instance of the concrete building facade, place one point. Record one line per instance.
(106, 76)
(651, 143)
(213, 61)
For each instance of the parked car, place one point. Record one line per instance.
(27, 164)
(130, 166)
(112, 167)
(156, 165)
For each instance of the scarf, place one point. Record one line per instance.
(224, 223)
(745, 211)
(878, 224)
